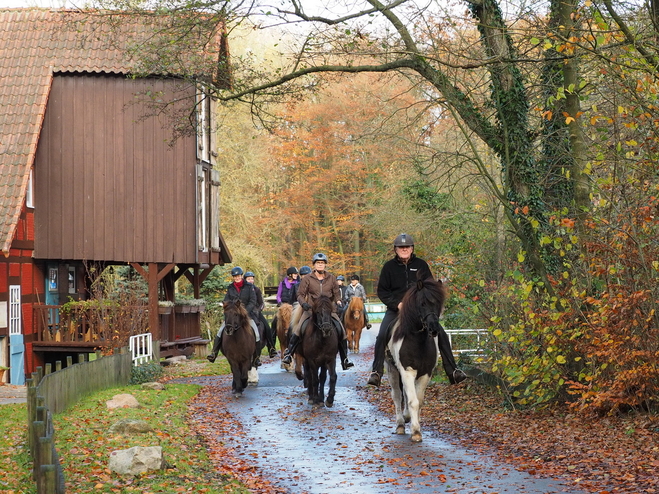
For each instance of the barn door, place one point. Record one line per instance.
(16, 343)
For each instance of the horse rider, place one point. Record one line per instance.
(318, 282)
(269, 337)
(287, 291)
(355, 289)
(396, 277)
(342, 293)
(241, 290)
(304, 270)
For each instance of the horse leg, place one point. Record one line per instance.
(396, 396)
(358, 336)
(329, 402)
(409, 379)
(321, 384)
(238, 385)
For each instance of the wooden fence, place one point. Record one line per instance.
(53, 392)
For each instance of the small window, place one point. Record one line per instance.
(29, 196)
(72, 279)
(15, 309)
(52, 279)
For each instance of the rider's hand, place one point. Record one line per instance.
(306, 306)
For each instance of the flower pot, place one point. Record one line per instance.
(2, 376)
(183, 308)
(164, 310)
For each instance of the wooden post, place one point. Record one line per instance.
(58, 365)
(69, 360)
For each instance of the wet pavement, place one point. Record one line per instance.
(351, 447)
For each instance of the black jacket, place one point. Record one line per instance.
(396, 277)
(247, 297)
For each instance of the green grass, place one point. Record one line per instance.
(16, 464)
(84, 442)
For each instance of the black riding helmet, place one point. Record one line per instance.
(340, 278)
(305, 270)
(236, 271)
(291, 271)
(248, 274)
(354, 277)
(403, 240)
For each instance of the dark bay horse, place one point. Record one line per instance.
(413, 351)
(320, 344)
(354, 321)
(238, 344)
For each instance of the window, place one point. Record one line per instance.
(202, 209)
(72, 279)
(29, 196)
(15, 309)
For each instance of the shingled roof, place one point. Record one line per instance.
(34, 45)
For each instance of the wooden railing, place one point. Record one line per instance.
(102, 323)
(50, 393)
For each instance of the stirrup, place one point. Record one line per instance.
(211, 358)
(459, 376)
(288, 358)
(273, 352)
(374, 379)
(346, 364)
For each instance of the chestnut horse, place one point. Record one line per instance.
(238, 344)
(281, 323)
(413, 351)
(354, 321)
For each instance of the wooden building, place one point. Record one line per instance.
(92, 174)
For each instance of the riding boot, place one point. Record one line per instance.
(343, 355)
(216, 349)
(368, 324)
(292, 345)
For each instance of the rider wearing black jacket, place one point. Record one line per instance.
(397, 276)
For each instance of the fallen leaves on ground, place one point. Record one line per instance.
(602, 455)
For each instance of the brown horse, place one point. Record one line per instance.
(238, 344)
(320, 344)
(280, 323)
(354, 321)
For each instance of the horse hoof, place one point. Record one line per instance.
(400, 429)
(329, 404)
(237, 395)
(416, 437)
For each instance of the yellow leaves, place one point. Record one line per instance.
(561, 359)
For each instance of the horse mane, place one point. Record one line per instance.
(430, 291)
(237, 307)
(323, 303)
(356, 301)
(284, 315)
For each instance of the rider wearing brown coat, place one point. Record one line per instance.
(318, 282)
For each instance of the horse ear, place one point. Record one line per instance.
(419, 284)
(238, 304)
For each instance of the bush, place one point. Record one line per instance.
(146, 373)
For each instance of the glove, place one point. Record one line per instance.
(306, 306)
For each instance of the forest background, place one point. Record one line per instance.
(516, 141)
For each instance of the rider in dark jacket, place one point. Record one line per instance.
(397, 275)
(245, 292)
(269, 337)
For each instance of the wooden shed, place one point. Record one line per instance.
(97, 168)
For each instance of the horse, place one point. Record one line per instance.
(412, 351)
(238, 344)
(280, 324)
(354, 321)
(319, 346)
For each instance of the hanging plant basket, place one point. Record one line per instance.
(164, 310)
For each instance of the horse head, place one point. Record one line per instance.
(422, 306)
(322, 315)
(235, 316)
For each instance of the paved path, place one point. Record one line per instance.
(351, 447)
(10, 393)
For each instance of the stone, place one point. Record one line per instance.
(130, 426)
(122, 401)
(154, 386)
(136, 460)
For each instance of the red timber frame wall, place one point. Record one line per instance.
(19, 269)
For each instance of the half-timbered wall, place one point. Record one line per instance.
(109, 183)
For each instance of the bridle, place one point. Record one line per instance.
(426, 325)
(324, 323)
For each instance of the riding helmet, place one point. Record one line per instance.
(319, 257)
(340, 278)
(290, 271)
(236, 271)
(248, 274)
(305, 270)
(403, 240)
(354, 277)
